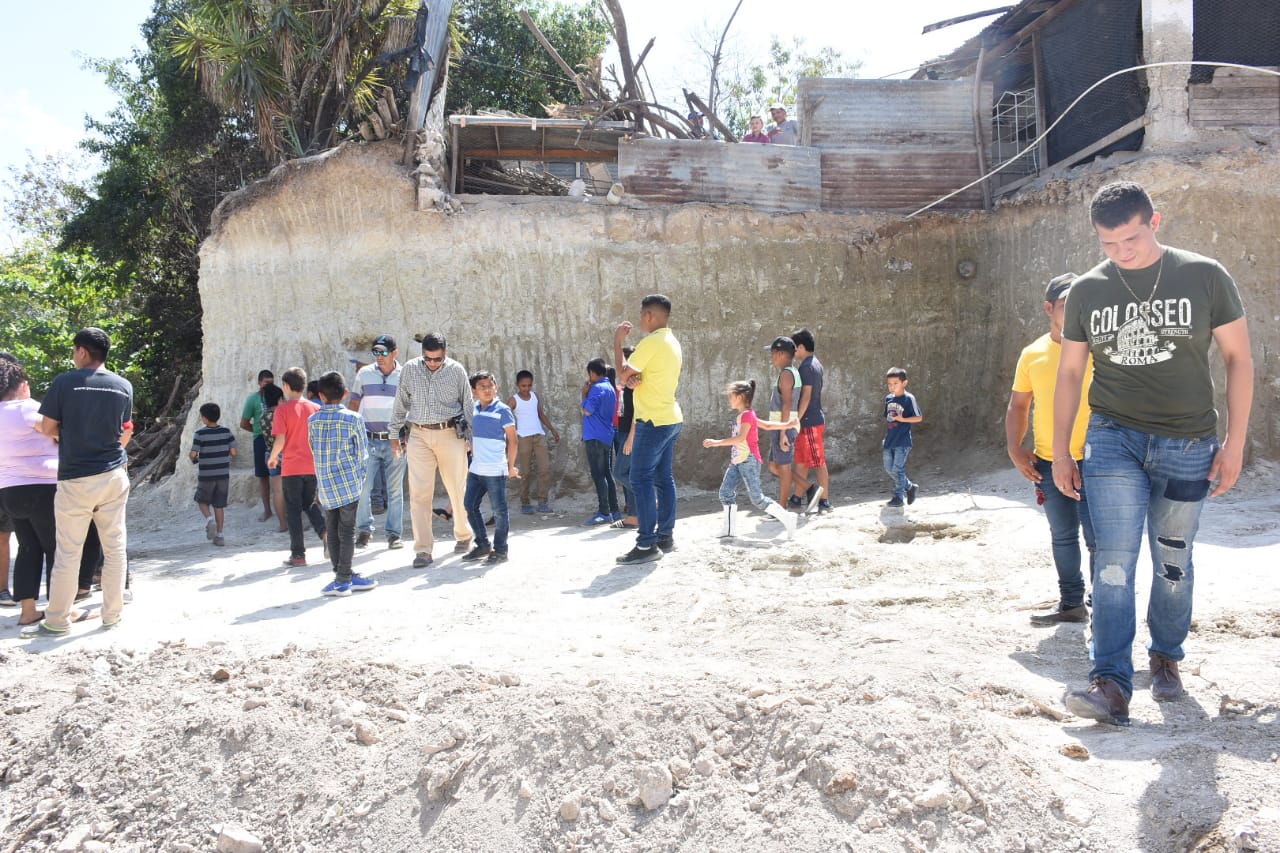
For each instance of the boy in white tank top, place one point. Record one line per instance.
(533, 459)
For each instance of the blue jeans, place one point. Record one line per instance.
(1134, 478)
(622, 470)
(496, 488)
(895, 465)
(1067, 517)
(600, 463)
(382, 460)
(653, 482)
(747, 473)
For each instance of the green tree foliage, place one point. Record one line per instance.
(298, 71)
(750, 91)
(47, 295)
(502, 66)
(169, 156)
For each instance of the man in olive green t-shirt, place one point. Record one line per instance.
(1148, 314)
(653, 372)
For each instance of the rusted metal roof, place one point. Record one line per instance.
(536, 139)
(776, 178)
(894, 144)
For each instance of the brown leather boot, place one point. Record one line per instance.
(1078, 613)
(1104, 701)
(1166, 683)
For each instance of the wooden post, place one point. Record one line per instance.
(1037, 65)
(564, 66)
(977, 128)
(457, 161)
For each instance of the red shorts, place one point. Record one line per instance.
(810, 451)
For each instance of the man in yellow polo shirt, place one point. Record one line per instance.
(1033, 385)
(653, 372)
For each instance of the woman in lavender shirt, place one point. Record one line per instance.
(28, 480)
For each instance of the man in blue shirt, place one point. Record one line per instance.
(90, 411)
(599, 407)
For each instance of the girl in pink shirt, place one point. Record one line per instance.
(744, 460)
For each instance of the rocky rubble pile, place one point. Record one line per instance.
(186, 749)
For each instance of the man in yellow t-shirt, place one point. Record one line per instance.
(1033, 385)
(653, 372)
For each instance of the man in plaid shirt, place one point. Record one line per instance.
(341, 451)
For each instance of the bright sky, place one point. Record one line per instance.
(47, 93)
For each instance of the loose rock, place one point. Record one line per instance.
(653, 784)
(237, 839)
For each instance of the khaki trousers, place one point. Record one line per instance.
(429, 450)
(102, 499)
(532, 454)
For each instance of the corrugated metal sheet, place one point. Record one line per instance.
(893, 144)
(776, 178)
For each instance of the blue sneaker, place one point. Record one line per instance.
(598, 518)
(527, 509)
(336, 590)
(360, 584)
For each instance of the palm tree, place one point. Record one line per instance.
(300, 70)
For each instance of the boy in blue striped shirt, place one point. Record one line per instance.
(494, 446)
(212, 447)
(341, 452)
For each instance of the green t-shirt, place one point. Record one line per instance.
(1151, 358)
(253, 412)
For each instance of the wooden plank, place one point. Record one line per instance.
(1265, 95)
(1226, 112)
(977, 129)
(1032, 28)
(1037, 65)
(541, 154)
(1089, 150)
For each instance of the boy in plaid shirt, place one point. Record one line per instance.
(341, 451)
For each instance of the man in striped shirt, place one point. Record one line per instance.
(341, 452)
(433, 401)
(212, 447)
(373, 395)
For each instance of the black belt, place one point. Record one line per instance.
(441, 425)
(378, 436)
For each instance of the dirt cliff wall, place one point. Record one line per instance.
(309, 266)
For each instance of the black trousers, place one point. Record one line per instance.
(300, 497)
(31, 509)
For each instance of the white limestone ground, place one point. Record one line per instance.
(873, 685)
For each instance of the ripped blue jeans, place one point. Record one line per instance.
(1135, 479)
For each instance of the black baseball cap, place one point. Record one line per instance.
(385, 341)
(782, 342)
(1058, 286)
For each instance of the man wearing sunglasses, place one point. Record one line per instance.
(433, 401)
(373, 395)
